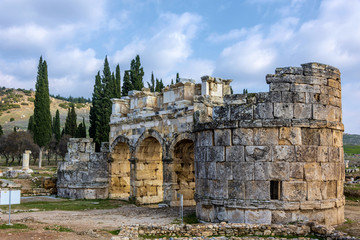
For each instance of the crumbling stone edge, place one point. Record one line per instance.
(307, 230)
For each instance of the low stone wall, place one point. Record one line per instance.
(84, 174)
(237, 230)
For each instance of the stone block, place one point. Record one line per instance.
(222, 137)
(264, 111)
(306, 153)
(302, 111)
(283, 153)
(216, 154)
(290, 136)
(265, 136)
(331, 216)
(258, 216)
(296, 87)
(299, 97)
(287, 97)
(221, 113)
(257, 153)
(201, 154)
(235, 154)
(279, 87)
(275, 97)
(257, 190)
(243, 136)
(200, 171)
(243, 171)
(294, 191)
(312, 171)
(280, 217)
(323, 154)
(310, 136)
(329, 171)
(340, 189)
(337, 138)
(224, 170)
(241, 112)
(279, 170)
(328, 189)
(314, 190)
(261, 172)
(236, 189)
(326, 137)
(210, 168)
(296, 171)
(204, 138)
(320, 111)
(334, 154)
(235, 215)
(283, 110)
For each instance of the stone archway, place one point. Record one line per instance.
(120, 171)
(183, 172)
(149, 172)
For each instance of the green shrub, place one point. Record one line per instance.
(64, 105)
(12, 119)
(30, 99)
(24, 103)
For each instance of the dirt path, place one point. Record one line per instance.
(91, 224)
(94, 224)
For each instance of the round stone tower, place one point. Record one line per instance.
(274, 157)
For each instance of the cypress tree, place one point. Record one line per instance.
(136, 74)
(102, 106)
(30, 127)
(70, 122)
(177, 77)
(95, 110)
(152, 85)
(42, 116)
(57, 131)
(127, 86)
(118, 82)
(81, 130)
(1, 131)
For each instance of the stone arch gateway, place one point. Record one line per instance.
(270, 157)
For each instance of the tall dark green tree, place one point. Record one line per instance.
(81, 130)
(177, 77)
(118, 82)
(127, 85)
(70, 123)
(42, 116)
(30, 127)
(152, 85)
(95, 110)
(159, 85)
(136, 74)
(1, 131)
(56, 125)
(102, 106)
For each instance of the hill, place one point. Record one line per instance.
(17, 105)
(351, 139)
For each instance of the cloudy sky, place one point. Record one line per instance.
(241, 40)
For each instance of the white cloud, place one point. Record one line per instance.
(231, 35)
(169, 49)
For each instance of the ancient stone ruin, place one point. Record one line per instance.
(272, 157)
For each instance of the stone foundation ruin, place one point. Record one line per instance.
(273, 157)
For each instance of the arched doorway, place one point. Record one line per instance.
(120, 172)
(149, 172)
(184, 173)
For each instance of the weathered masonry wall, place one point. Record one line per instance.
(152, 143)
(273, 157)
(84, 173)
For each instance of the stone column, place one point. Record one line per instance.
(26, 159)
(167, 179)
(132, 161)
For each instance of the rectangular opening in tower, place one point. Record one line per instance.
(275, 190)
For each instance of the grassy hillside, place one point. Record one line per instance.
(351, 139)
(17, 105)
